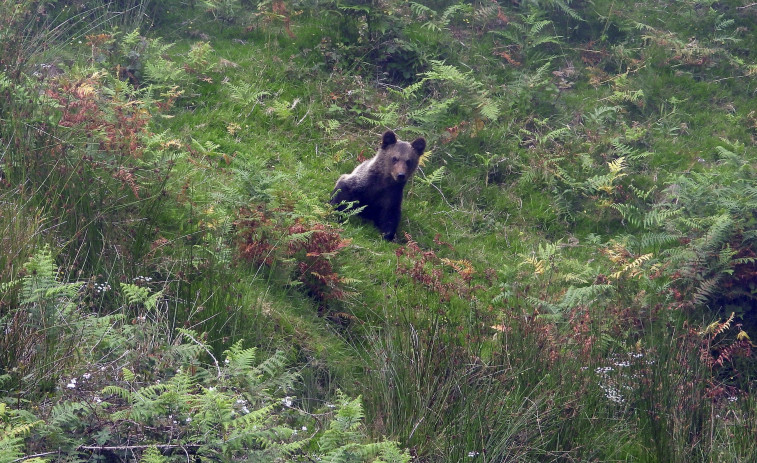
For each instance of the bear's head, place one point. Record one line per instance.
(400, 157)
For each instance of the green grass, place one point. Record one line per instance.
(535, 260)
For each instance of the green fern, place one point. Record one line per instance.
(627, 96)
(718, 234)
(489, 108)
(585, 295)
(388, 116)
(599, 115)
(435, 177)
(135, 294)
(41, 276)
(13, 429)
(68, 414)
(344, 440)
(153, 455)
(437, 22)
(530, 34)
(159, 69)
(247, 96)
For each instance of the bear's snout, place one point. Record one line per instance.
(401, 177)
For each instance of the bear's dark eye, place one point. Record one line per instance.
(394, 160)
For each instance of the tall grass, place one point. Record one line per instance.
(563, 293)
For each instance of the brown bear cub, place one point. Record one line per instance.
(378, 183)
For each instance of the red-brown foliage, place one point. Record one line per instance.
(120, 124)
(306, 248)
(447, 277)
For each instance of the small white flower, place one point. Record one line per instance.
(86, 376)
(287, 401)
(472, 454)
(304, 428)
(189, 420)
(245, 410)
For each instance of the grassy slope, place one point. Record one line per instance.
(685, 113)
(497, 216)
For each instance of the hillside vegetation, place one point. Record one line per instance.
(574, 277)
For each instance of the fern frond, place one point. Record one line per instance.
(248, 421)
(617, 165)
(489, 109)
(420, 9)
(544, 306)
(152, 455)
(706, 289)
(134, 294)
(239, 359)
(718, 234)
(633, 268)
(575, 296)
(273, 366)
(657, 240)
(117, 391)
(66, 414)
(657, 217)
(128, 374)
(435, 177)
(715, 328)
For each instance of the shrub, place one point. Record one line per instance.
(299, 247)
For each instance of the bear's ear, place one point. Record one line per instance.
(388, 139)
(420, 145)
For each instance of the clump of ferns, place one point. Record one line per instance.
(300, 246)
(730, 356)
(716, 268)
(447, 277)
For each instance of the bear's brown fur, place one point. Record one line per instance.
(378, 183)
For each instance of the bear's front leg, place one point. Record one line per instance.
(389, 221)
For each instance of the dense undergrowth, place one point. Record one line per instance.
(575, 280)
